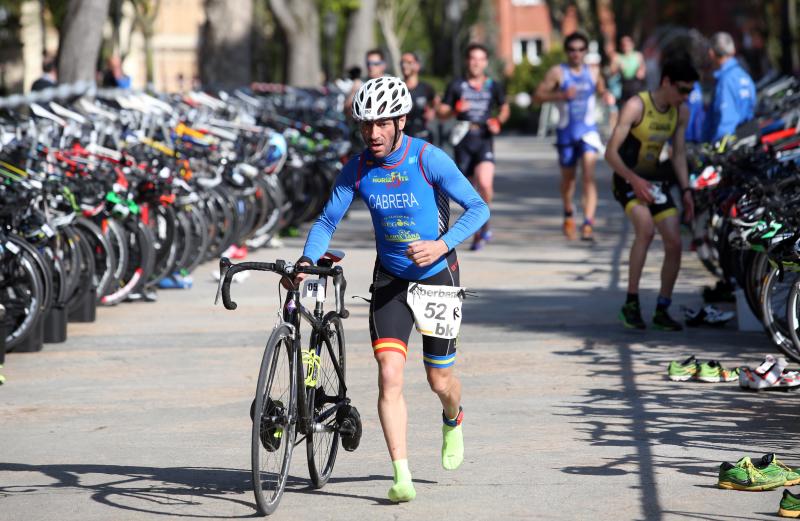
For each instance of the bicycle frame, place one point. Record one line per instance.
(292, 312)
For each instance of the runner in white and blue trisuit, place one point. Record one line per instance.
(406, 183)
(573, 87)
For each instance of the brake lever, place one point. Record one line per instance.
(224, 266)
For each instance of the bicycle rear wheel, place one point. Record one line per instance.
(274, 420)
(325, 388)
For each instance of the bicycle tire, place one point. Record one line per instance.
(21, 294)
(322, 446)
(105, 260)
(774, 305)
(793, 320)
(281, 403)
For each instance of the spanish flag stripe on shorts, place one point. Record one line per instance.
(390, 344)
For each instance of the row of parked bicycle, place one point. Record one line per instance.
(747, 225)
(104, 197)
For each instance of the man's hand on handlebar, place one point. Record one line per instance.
(298, 278)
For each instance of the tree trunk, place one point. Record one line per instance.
(387, 18)
(299, 20)
(81, 36)
(226, 50)
(360, 34)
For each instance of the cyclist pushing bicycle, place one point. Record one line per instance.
(407, 184)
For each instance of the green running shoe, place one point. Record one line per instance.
(631, 316)
(745, 476)
(663, 322)
(770, 465)
(682, 371)
(790, 505)
(713, 372)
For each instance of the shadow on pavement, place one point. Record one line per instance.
(161, 491)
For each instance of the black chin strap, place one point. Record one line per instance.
(396, 132)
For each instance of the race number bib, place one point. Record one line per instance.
(314, 288)
(437, 309)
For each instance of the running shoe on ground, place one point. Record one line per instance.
(570, 231)
(769, 465)
(663, 322)
(707, 316)
(790, 505)
(631, 316)
(745, 476)
(769, 374)
(713, 372)
(682, 371)
(587, 234)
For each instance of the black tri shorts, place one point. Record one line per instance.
(391, 318)
(476, 147)
(623, 193)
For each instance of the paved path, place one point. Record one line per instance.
(143, 414)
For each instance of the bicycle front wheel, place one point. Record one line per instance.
(274, 420)
(325, 389)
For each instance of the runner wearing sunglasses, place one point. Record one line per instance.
(641, 183)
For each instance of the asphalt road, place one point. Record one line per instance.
(144, 413)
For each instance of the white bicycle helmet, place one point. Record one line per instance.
(381, 98)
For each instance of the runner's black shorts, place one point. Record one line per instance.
(476, 147)
(391, 319)
(623, 193)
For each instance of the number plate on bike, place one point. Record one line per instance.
(437, 309)
(314, 288)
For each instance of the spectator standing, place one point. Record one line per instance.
(376, 67)
(734, 91)
(114, 76)
(630, 65)
(49, 75)
(423, 98)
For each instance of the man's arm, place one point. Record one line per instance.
(443, 172)
(445, 108)
(630, 115)
(600, 83)
(641, 71)
(548, 89)
(679, 161)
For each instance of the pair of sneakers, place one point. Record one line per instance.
(571, 232)
(631, 317)
(765, 473)
(771, 374)
(709, 372)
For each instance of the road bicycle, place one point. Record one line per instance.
(301, 392)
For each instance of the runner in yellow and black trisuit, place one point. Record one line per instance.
(641, 182)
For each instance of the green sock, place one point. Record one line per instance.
(403, 488)
(452, 447)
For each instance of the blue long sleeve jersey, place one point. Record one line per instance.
(734, 101)
(407, 194)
